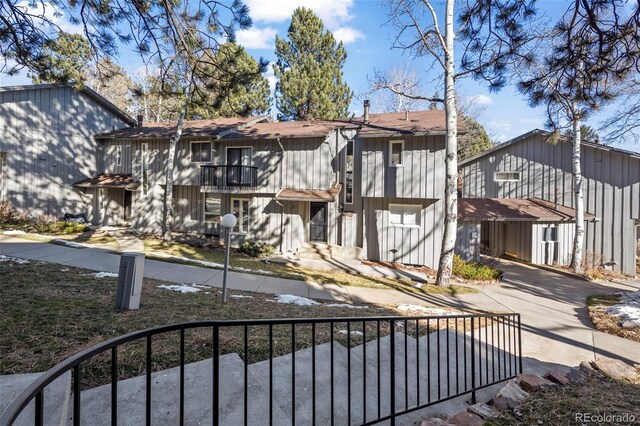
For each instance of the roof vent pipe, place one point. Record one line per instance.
(366, 111)
(406, 115)
(140, 119)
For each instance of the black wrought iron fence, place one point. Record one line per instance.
(362, 371)
(229, 177)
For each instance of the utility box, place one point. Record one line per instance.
(130, 281)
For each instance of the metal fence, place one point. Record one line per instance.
(229, 177)
(364, 370)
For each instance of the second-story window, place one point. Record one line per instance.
(200, 152)
(505, 176)
(395, 153)
(118, 155)
(348, 190)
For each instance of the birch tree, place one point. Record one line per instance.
(590, 54)
(491, 34)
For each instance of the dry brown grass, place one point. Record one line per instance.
(49, 312)
(606, 322)
(597, 395)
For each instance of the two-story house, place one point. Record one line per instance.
(47, 144)
(374, 183)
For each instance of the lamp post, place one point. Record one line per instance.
(228, 221)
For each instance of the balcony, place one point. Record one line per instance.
(228, 178)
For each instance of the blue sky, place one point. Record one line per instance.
(362, 26)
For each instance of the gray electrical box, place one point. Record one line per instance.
(130, 281)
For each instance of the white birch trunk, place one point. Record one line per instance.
(578, 239)
(451, 190)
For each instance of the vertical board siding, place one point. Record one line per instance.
(468, 246)
(47, 135)
(611, 185)
(415, 246)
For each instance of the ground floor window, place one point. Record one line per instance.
(550, 233)
(240, 208)
(212, 208)
(405, 215)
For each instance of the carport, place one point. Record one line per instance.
(528, 229)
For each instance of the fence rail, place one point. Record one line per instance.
(362, 370)
(229, 177)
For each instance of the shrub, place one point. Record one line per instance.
(474, 270)
(257, 249)
(44, 224)
(6, 212)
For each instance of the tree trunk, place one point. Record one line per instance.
(451, 190)
(578, 238)
(167, 223)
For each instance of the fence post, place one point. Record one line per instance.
(473, 361)
(392, 363)
(520, 342)
(216, 375)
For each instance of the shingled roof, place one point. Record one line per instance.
(514, 209)
(416, 122)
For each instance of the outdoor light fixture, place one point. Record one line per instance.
(228, 221)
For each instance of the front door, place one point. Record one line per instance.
(127, 205)
(318, 222)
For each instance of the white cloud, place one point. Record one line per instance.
(347, 35)
(271, 78)
(43, 11)
(482, 100)
(257, 38)
(332, 12)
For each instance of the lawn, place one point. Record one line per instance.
(48, 312)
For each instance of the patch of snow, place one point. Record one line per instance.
(180, 288)
(628, 310)
(353, 333)
(345, 305)
(69, 243)
(212, 264)
(17, 260)
(105, 275)
(14, 232)
(419, 285)
(295, 300)
(241, 296)
(424, 310)
(64, 270)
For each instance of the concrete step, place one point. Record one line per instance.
(56, 398)
(165, 391)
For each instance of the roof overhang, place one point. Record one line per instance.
(107, 180)
(514, 210)
(314, 195)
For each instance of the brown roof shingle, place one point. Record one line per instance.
(329, 195)
(108, 180)
(514, 209)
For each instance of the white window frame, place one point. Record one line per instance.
(544, 231)
(226, 154)
(191, 152)
(118, 155)
(204, 208)
(506, 179)
(394, 142)
(346, 170)
(144, 158)
(418, 207)
(241, 214)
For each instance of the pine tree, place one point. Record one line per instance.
(309, 71)
(63, 60)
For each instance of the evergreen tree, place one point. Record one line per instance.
(474, 141)
(63, 60)
(309, 71)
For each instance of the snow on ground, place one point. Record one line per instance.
(295, 300)
(419, 285)
(353, 333)
(14, 232)
(17, 260)
(69, 243)
(628, 310)
(345, 305)
(180, 288)
(241, 296)
(424, 310)
(212, 264)
(105, 275)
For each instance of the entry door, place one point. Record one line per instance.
(318, 222)
(127, 205)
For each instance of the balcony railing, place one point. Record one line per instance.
(229, 177)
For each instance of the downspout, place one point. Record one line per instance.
(281, 187)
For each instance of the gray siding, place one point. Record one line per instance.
(468, 241)
(415, 246)
(421, 175)
(47, 138)
(611, 189)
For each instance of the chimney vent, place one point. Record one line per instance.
(140, 120)
(366, 111)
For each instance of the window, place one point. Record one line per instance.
(550, 233)
(348, 190)
(144, 169)
(212, 208)
(405, 215)
(239, 156)
(506, 176)
(118, 155)
(200, 152)
(240, 208)
(395, 153)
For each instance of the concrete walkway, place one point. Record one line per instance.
(555, 325)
